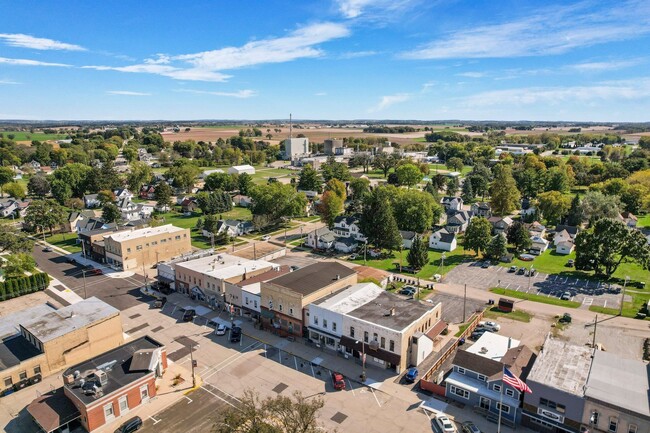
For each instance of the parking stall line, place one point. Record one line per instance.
(220, 398)
(374, 395)
(155, 421)
(508, 285)
(295, 361)
(351, 387)
(312, 369)
(518, 286)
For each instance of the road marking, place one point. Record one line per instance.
(189, 400)
(312, 369)
(220, 398)
(587, 301)
(295, 361)
(265, 350)
(374, 395)
(605, 305)
(155, 421)
(351, 388)
(508, 285)
(226, 362)
(518, 286)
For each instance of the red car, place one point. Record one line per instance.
(338, 381)
(94, 272)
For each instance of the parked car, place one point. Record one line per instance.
(512, 269)
(477, 334)
(470, 427)
(221, 330)
(408, 291)
(130, 426)
(485, 265)
(94, 271)
(445, 424)
(570, 263)
(566, 296)
(189, 315)
(337, 381)
(48, 249)
(353, 256)
(266, 237)
(566, 318)
(159, 303)
(235, 334)
(490, 326)
(521, 271)
(411, 375)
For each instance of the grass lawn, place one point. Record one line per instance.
(535, 298)
(443, 168)
(67, 241)
(27, 136)
(461, 329)
(495, 313)
(188, 222)
(549, 262)
(262, 174)
(452, 259)
(630, 309)
(644, 221)
(309, 219)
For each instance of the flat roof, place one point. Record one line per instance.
(278, 271)
(377, 311)
(60, 322)
(117, 365)
(492, 346)
(15, 350)
(9, 324)
(224, 266)
(563, 366)
(620, 382)
(144, 232)
(314, 277)
(351, 298)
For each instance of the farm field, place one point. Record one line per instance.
(29, 136)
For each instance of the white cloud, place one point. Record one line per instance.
(27, 62)
(27, 41)
(387, 101)
(471, 74)
(375, 8)
(205, 66)
(605, 66)
(357, 54)
(604, 91)
(242, 94)
(549, 31)
(2, 81)
(320, 94)
(127, 93)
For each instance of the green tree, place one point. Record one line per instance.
(496, 248)
(595, 205)
(359, 187)
(61, 191)
(335, 170)
(309, 179)
(214, 202)
(519, 236)
(337, 187)
(455, 164)
(575, 216)
(14, 242)
(478, 235)
(6, 176)
(38, 185)
(378, 222)
(644, 142)
(414, 210)
(244, 183)
(330, 207)
(418, 255)
(607, 244)
(163, 195)
(274, 202)
(453, 184)
(221, 181)
(183, 175)
(140, 174)
(467, 193)
(44, 214)
(384, 162)
(106, 196)
(15, 190)
(111, 213)
(17, 265)
(503, 191)
(74, 175)
(408, 175)
(553, 205)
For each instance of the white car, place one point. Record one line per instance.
(221, 330)
(445, 424)
(266, 237)
(491, 326)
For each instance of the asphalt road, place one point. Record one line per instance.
(205, 405)
(121, 293)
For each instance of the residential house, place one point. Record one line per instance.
(537, 229)
(285, 299)
(481, 209)
(346, 245)
(564, 248)
(452, 204)
(107, 387)
(442, 240)
(500, 224)
(233, 228)
(128, 209)
(476, 381)
(538, 245)
(22, 207)
(629, 219)
(557, 379)
(392, 332)
(571, 230)
(189, 205)
(241, 169)
(242, 200)
(348, 226)
(91, 201)
(407, 238)
(147, 191)
(457, 221)
(8, 207)
(75, 220)
(322, 238)
(122, 193)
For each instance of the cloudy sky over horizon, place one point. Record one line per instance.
(328, 59)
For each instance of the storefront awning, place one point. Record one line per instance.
(53, 410)
(268, 314)
(359, 346)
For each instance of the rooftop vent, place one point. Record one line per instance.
(483, 350)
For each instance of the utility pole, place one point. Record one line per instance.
(464, 303)
(593, 341)
(83, 272)
(192, 361)
(620, 311)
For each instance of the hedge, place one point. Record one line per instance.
(15, 287)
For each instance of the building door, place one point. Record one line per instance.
(484, 403)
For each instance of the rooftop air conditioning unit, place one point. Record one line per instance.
(102, 377)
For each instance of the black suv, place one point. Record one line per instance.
(130, 426)
(235, 334)
(189, 315)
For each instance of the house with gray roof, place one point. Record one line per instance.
(322, 238)
(442, 240)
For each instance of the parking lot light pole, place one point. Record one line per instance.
(620, 311)
(83, 272)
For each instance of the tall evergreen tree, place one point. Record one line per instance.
(418, 255)
(503, 191)
(574, 217)
(467, 191)
(497, 247)
(378, 222)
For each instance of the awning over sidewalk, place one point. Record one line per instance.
(268, 314)
(382, 354)
(53, 410)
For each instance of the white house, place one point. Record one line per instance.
(500, 225)
(345, 245)
(458, 221)
(481, 209)
(91, 201)
(240, 169)
(122, 193)
(537, 229)
(442, 240)
(128, 209)
(451, 203)
(562, 236)
(321, 238)
(564, 247)
(348, 226)
(407, 238)
(538, 246)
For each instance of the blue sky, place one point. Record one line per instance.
(328, 59)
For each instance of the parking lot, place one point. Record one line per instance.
(586, 292)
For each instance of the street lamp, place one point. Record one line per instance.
(620, 311)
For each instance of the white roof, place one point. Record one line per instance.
(145, 232)
(224, 266)
(351, 298)
(562, 365)
(492, 346)
(9, 324)
(243, 167)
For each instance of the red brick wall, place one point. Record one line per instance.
(432, 387)
(164, 359)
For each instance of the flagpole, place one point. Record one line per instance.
(500, 404)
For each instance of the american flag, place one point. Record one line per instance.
(514, 381)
